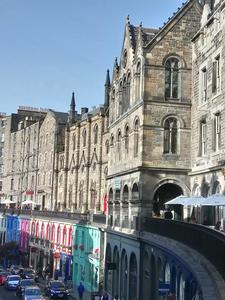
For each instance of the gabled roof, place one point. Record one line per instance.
(176, 16)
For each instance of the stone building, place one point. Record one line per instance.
(51, 142)
(82, 168)
(21, 154)
(208, 108)
(150, 135)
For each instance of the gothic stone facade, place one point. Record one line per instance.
(150, 117)
(208, 108)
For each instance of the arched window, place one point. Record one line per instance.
(111, 195)
(112, 140)
(93, 195)
(74, 141)
(119, 144)
(124, 95)
(135, 193)
(136, 137)
(127, 139)
(170, 135)
(172, 80)
(107, 146)
(84, 136)
(128, 91)
(81, 194)
(119, 110)
(137, 82)
(125, 194)
(96, 134)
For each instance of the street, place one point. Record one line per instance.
(11, 295)
(7, 295)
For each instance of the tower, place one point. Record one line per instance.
(71, 116)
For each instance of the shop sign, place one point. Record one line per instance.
(117, 184)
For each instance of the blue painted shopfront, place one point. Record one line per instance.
(86, 257)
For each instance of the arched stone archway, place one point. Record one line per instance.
(133, 278)
(135, 193)
(153, 278)
(108, 273)
(116, 272)
(146, 277)
(164, 193)
(123, 276)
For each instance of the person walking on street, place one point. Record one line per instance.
(80, 290)
(105, 296)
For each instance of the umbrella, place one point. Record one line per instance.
(214, 200)
(185, 200)
(7, 201)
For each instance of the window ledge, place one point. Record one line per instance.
(170, 156)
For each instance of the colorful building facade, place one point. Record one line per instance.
(87, 257)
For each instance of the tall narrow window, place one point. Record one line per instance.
(74, 142)
(84, 135)
(204, 84)
(119, 145)
(203, 138)
(96, 134)
(120, 100)
(127, 139)
(136, 137)
(217, 132)
(137, 81)
(172, 78)
(170, 136)
(124, 96)
(128, 91)
(216, 75)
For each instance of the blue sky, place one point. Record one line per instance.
(50, 48)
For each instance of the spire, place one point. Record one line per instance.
(107, 81)
(71, 117)
(107, 89)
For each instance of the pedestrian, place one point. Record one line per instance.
(116, 297)
(218, 226)
(80, 290)
(105, 296)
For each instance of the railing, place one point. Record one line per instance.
(208, 242)
(99, 218)
(81, 217)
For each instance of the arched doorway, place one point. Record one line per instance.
(133, 278)
(146, 278)
(164, 193)
(208, 212)
(116, 272)
(108, 273)
(123, 276)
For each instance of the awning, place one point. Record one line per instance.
(7, 201)
(186, 201)
(214, 200)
